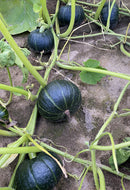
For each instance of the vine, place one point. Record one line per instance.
(27, 142)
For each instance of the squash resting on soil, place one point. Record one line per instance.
(39, 173)
(58, 100)
(114, 15)
(41, 41)
(64, 15)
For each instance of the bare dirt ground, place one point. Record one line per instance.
(97, 104)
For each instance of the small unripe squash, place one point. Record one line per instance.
(4, 115)
(114, 15)
(41, 41)
(39, 173)
(58, 100)
(64, 15)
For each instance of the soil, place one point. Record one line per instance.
(97, 104)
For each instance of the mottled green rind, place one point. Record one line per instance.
(58, 97)
(41, 41)
(114, 15)
(40, 173)
(64, 15)
(19, 15)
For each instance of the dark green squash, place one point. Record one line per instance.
(114, 15)
(41, 41)
(40, 173)
(4, 115)
(64, 15)
(58, 100)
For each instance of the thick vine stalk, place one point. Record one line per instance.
(20, 54)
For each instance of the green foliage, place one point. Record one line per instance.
(19, 15)
(18, 61)
(8, 58)
(91, 77)
(122, 155)
(37, 7)
(7, 55)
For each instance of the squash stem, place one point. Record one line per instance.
(67, 113)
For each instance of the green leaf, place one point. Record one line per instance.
(91, 63)
(122, 155)
(37, 7)
(19, 15)
(9, 58)
(126, 139)
(91, 77)
(7, 55)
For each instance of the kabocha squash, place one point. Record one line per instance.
(41, 41)
(64, 15)
(58, 100)
(39, 173)
(114, 15)
(4, 115)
